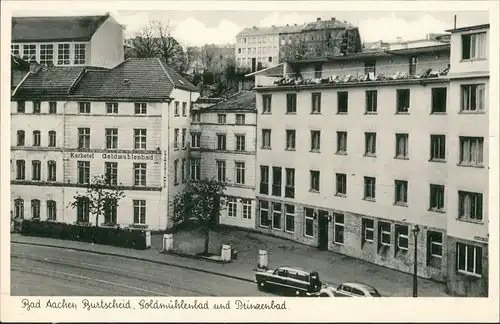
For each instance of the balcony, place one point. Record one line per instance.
(344, 77)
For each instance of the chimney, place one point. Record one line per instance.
(333, 19)
(455, 22)
(318, 19)
(34, 67)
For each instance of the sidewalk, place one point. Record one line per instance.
(333, 268)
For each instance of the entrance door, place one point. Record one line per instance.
(322, 230)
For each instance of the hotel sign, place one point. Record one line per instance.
(113, 156)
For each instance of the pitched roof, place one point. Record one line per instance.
(133, 79)
(37, 29)
(468, 28)
(327, 24)
(48, 83)
(256, 31)
(244, 100)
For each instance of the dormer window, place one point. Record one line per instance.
(473, 46)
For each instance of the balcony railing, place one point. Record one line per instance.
(383, 73)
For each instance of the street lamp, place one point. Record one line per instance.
(415, 230)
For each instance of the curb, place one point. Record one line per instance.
(140, 259)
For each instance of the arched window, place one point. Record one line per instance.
(36, 138)
(19, 208)
(20, 138)
(35, 209)
(36, 170)
(51, 171)
(52, 138)
(51, 210)
(20, 169)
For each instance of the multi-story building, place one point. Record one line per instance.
(210, 57)
(223, 147)
(68, 41)
(342, 183)
(257, 47)
(129, 123)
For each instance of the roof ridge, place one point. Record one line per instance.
(166, 72)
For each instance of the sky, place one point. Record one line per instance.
(195, 28)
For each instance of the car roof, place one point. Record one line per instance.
(294, 269)
(359, 285)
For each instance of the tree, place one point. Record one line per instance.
(201, 200)
(101, 196)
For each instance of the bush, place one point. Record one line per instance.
(126, 238)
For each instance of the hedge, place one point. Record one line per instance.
(126, 238)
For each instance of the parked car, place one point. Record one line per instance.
(351, 289)
(292, 281)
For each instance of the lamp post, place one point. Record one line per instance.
(415, 230)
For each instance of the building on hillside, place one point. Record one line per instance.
(342, 183)
(223, 146)
(210, 57)
(129, 123)
(68, 41)
(257, 47)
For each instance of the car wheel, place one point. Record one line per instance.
(260, 285)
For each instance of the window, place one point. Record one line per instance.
(111, 173)
(183, 171)
(402, 100)
(342, 102)
(309, 222)
(221, 118)
(36, 173)
(221, 171)
(291, 103)
(314, 185)
(367, 226)
(470, 206)
(438, 100)
(469, 259)
(176, 139)
(35, 209)
(473, 98)
(338, 228)
(474, 46)
(436, 198)
(264, 213)
(183, 138)
(221, 142)
(317, 71)
(240, 172)
(46, 54)
(52, 139)
(83, 172)
(240, 119)
(266, 138)
(276, 188)
(176, 171)
(471, 150)
(20, 170)
(384, 234)
(80, 53)
(316, 103)
(82, 210)
(438, 147)
(14, 49)
(371, 101)
(264, 179)
(52, 107)
(51, 170)
(266, 104)
(240, 142)
(20, 138)
(36, 138)
(401, 146)
(37, 106)
(232, 207)
(277, 215)
(21, 107)
(195, 117)
(29, 53)
(401, 192)
(176, 108)
(19, 209)
(401, 238)
(84, 107)
(369, 188)
(63, 54)
(84, 138)
(370, 66)
(290, 139)
(140, 139)
(370, 144)
(341, 184)
(112, 108)
(412, 62)
(110, 211)
(195, 169)
(140, 212)
(111, 138)
(315, 141)
(341, 142)
(140, 108)
(184, 109)
(434, 244)
(290, 218)
(51, 210)
(195, 140)
(290, 183)
(140, 174)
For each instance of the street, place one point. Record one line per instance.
(45, 271)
